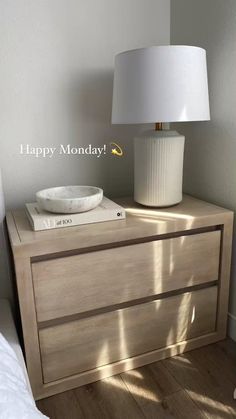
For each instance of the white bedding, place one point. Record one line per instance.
(16, 401)
(8, 330)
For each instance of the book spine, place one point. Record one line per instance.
(74, 220)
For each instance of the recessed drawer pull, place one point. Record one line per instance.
(90, 281)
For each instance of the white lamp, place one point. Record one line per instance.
(155, 85)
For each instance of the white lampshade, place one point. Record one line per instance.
(160, 84)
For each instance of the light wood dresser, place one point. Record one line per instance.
(100, 299)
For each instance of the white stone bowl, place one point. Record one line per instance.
(69, 199)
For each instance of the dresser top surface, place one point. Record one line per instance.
(140, 222)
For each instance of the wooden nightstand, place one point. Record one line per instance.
(100, 299)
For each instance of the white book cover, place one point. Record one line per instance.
(43, 220)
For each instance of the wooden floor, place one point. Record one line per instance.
(198, 384)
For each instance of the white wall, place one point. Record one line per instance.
(56, 72)
(210, 157)
(56, 87)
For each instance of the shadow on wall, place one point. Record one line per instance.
(5, 283)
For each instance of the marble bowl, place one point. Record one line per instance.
(69, 199)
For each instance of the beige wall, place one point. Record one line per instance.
(210, 157)
(56, 74)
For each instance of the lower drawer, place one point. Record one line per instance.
(85, 344)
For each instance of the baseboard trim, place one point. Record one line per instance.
(232, 326)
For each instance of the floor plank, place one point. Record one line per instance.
(149, 385)
(201, 387)
(108, 399)
(181, 406)
(215, 364)
(228, 347)
(158, 394)
(62, 406)
(196, 385)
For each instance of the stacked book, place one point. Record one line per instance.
(43, 220)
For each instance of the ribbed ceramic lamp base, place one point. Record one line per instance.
(158, 168)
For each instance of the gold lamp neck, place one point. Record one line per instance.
(158, 126)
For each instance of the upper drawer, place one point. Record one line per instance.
(84, 282)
